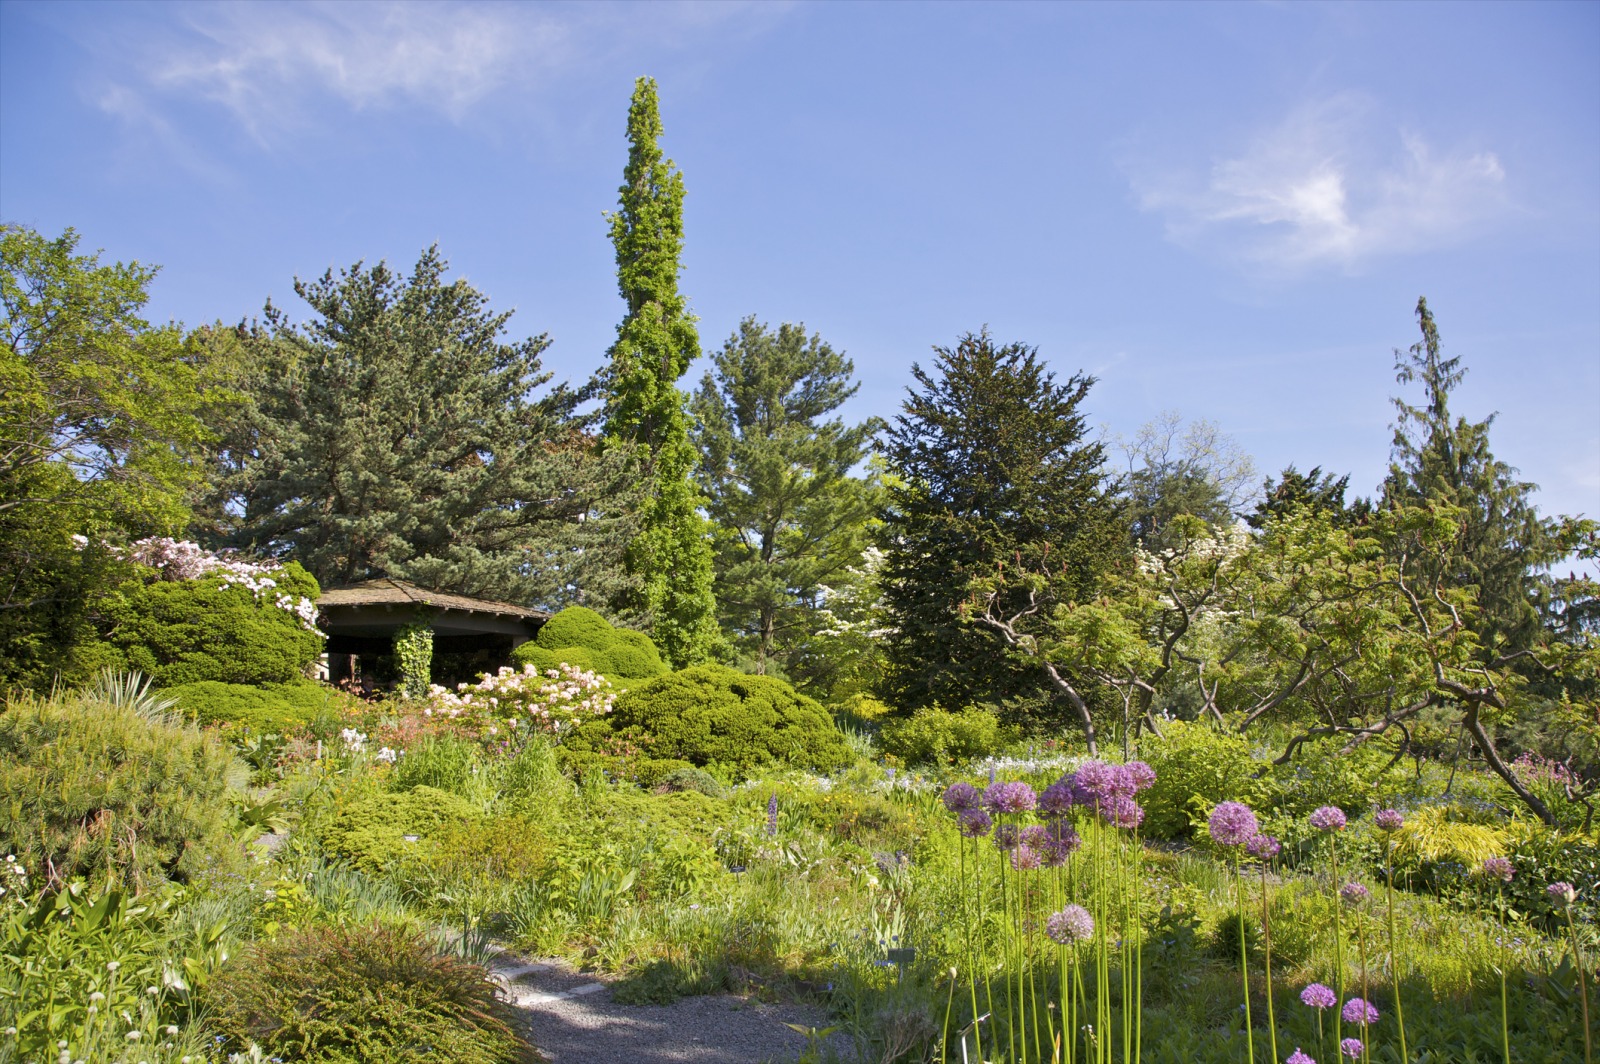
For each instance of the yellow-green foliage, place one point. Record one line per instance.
(939, 737)
(713, 715)
(100, 791)
(282, 708)
(1431, 834)
(372, 995)
(862, 707)
(1196, 767)
(185, 631)
(371, 832)
(579, 636)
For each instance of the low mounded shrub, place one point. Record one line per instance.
(97, 789)
(1197, 767)
(186, 631)
(939, 737)
(282, 708)
(366, 995)
(371, 832)
(580, 636)
(711, 715)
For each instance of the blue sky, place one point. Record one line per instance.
(1226, 210)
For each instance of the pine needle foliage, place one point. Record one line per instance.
(375, 995)
(109, 788)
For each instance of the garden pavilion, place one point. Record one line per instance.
(470, 635)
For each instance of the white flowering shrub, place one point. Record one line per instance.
(552, 701)
(185, 560)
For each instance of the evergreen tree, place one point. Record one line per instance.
(1316, 491)
(789, 516)
(670, 557)
(1504, 547)
(995, 471)
(396, 434)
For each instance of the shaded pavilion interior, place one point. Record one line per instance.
(470, 635)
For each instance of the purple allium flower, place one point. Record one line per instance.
(1319, 997)
(1056, 799)
(1389, 820)
(1101, 782)
(1232, 824)
(975, 823)
(1024, 858)
(1265, 847)
(1014, 797)
(1121, 811)
(1354, 893)
(1059, 843)
(1498, 868)
(959, 797)
(1141, 774)
(772, 815)
(1299, 1057)
(1359, 1011)
(1561, 894)
(1351, 1047)
(1069, 926)
(1006, 836)
(1329, 818)
(1033, 835)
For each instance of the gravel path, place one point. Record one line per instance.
(573, 1020)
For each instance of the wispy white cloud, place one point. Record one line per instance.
(278, 68)
(1327, 186)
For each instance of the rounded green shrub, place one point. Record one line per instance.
(544, 659)
(186, 631)
(1197, 767)
(96, 789)
(363, 995)
(939, 737)
(371, 833)
(280, 708)
(714, 715)
(580, 636)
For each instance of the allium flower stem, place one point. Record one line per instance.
(1266, 933)
(1583, 987)
(1505, 1022)
(972, 959)
(1338, 938)
(1244, 962)
(1394, 956)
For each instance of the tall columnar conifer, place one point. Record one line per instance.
(656, 341)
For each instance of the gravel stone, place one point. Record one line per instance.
(572, 1019)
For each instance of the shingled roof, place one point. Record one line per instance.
(387, 592)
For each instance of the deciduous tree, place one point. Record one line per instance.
(671, 554)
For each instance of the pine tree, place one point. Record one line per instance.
(789, 516)
(671, 555)
(397, 434)
(995, 471)
(1504, 545)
